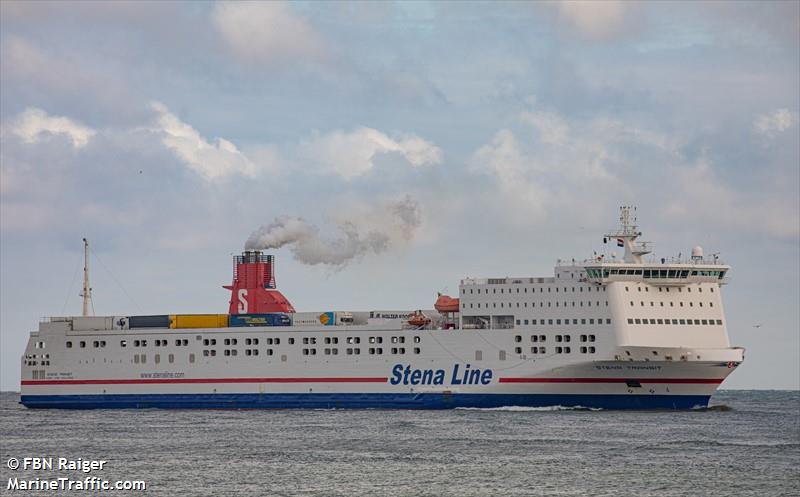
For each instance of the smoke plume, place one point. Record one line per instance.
(376, 233)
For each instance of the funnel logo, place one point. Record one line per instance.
(242, 295)
(326, 318)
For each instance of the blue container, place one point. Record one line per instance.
(273, 319)
(160, 321)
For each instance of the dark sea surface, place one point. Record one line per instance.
(748, 444)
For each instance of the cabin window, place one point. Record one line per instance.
(69, 344)
(83, 344)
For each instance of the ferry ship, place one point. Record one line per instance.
(607, 332)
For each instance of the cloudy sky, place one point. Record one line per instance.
(421, 142)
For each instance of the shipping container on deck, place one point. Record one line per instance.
(155, 321)
(92, 323)
(183, 321)
(328, 318)
(272, 319)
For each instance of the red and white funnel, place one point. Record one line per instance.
(253, 289)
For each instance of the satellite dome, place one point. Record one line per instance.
(697, 252)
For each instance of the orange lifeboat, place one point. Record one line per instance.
(446, 304)
(418, 319)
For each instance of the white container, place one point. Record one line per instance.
(92, 323)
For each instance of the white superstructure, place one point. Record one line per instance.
(608, 333)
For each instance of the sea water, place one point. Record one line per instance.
(746, 444)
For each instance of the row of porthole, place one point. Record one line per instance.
(541, 290)
(558, 350)
(674, 321)
(533, 304)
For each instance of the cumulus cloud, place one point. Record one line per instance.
(212, 160)
(266, 32)
(519, 187)
(552, 128)
(705, 195)
(34, 124)
(536, 174)
(774, 123)
(596, 20)
(352, 154)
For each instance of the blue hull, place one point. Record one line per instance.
(358, 401)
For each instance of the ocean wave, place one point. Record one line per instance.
(717, 408)
(530, 409)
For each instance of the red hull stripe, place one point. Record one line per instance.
(611, 380)
(150, 381)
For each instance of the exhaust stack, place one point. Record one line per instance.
(253, 288)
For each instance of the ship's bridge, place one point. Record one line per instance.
(664, 274)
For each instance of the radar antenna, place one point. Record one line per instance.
(627, 234)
